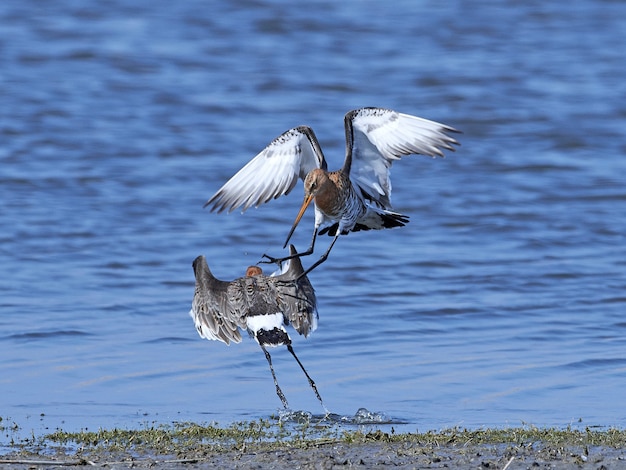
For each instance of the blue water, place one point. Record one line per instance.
(502, 303)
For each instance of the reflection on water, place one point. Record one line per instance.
(501, 302)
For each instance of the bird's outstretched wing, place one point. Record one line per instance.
(297, 296)
(212, 312)
(376, 137)
(272, 173)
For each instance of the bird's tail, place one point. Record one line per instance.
(375, 218)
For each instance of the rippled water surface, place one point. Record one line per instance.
(503, 301)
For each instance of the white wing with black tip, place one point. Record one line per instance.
(379, 136)
(272, 173)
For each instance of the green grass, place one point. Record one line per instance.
(185, 439)
(185, 436)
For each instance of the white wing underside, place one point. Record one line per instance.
(272, 173)
(381, 136)
(377, 137)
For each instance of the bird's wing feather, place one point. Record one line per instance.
(379, 136)
(297, 296)
(272, 173)
(213, 313)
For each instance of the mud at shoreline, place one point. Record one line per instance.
(342, 455)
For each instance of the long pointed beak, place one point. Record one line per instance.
(305, 204)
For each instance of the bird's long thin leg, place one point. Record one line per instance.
(279, 392)
(308, 251)
(323, 258)
(311, 382)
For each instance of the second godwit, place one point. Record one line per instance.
(355, 197)
(262, 305)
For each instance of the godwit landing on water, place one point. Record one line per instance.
(356, 197)
(261, 304)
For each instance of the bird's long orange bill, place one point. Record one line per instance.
(305, 204)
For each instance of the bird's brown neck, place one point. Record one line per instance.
(330, 196)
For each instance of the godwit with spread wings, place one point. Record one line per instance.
(355, 197)
(261, 304)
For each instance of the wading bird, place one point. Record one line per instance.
(262, 305)
(355, 197)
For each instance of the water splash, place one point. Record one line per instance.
(363, 416)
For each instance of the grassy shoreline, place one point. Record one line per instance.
(300, 445)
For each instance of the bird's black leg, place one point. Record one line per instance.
(323, 258)
(279, 392)
(279, 261)
(313, 386)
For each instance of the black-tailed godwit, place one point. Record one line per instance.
(262, 305)
(355, 197)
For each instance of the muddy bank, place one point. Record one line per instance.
(342, 455)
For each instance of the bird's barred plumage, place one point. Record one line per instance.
(355, 197)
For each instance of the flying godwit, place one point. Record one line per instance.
(355, 197)
(261, 304)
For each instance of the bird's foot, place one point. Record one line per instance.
(270, 259)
